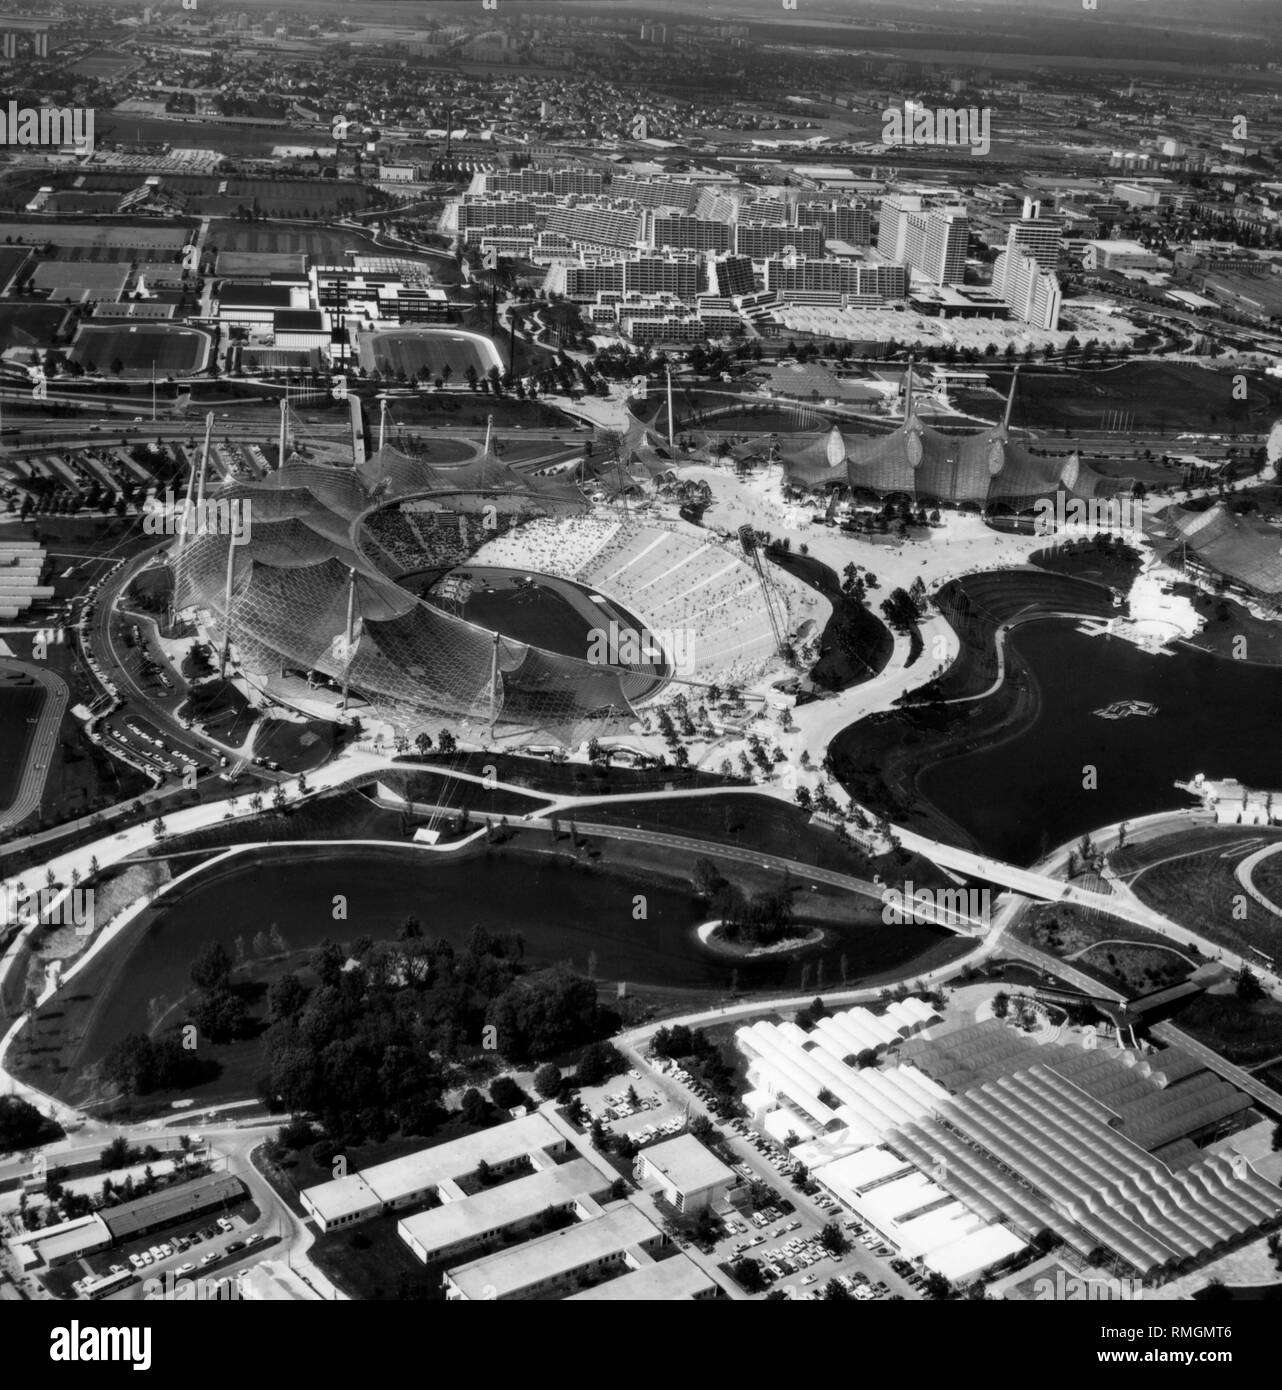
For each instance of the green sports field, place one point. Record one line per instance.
(415, 350)
(173, 349)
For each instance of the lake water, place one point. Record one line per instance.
(564, 913)
(1216, 716)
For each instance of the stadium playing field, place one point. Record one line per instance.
(417, 350)
(173, 349)
(542, 610)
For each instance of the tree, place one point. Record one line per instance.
(475, 1109)
(1001, 1004)
(505, 1093)
(285, 998)
(1248, 986)
(22, 1126)
(212, 967)
(833, 1239)
(598, 1063)
(702, 1129)
(749, 1274)
(547, 1080)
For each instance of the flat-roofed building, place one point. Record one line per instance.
(260, 265)
(79, 281)
(416, 1177)
(301, 328)
(617, 1242)
(456, 1226)
(181, 1202)
(1119, 255)
(671, 1280)
(690, 1176)
(248, 305)
(68, 1240)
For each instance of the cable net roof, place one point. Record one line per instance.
(323, 539)
(928, 465)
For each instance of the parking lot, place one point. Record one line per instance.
(786, 1233)
(653, 1117)
(206, 1250)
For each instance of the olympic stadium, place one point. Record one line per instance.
(412, 595)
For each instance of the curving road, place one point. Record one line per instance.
(41, 746)
(1245, 876)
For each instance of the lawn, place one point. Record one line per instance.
(1131, 958)
(1160, 396)
(1200, 889)
(1243, 1033)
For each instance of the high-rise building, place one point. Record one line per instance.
(849, 222)
(730, 275)
(892, 233)
(597, 224)
(1036, 235)
(1032, 293)
(932, 241)
(765, 212)
(760, 242)
(800, 276)
(674, 275)
(566, 181)
(692, 233)
(714, 203)
(656, 193)
(495, 212)
(945, 239)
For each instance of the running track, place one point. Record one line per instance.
(41, 746)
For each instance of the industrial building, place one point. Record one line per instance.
(979, 1140)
